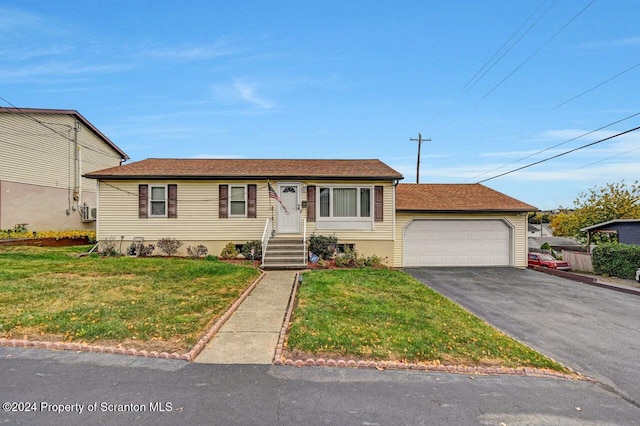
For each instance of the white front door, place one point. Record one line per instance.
(289, 210)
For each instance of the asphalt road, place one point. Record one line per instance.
(176, 392)
(593, 330)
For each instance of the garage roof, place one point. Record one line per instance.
(445, 197)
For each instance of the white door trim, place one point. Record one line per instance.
(288, 221)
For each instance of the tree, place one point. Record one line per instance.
(600, 204)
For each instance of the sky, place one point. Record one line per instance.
(495, 85)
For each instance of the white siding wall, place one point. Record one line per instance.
(518, 221)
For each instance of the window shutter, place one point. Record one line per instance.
(223, 206)
(311, 203)
(251, 201)
(172, 209)
(143, 201)
(379, 204)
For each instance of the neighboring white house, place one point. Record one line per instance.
(45, 153)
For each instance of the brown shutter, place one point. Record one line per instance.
(379, 204)
(223, 205)
(172, 210)
(311, 203)
(251, 201)
(143, 201)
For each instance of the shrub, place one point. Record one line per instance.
(107, 247)
(375, 261)
(324, 247)
(211, 258)
(256, 246)
(616, 260)
(197, 252)
(350, 259)
(170, 246)
(322, 264)
(140, 250)
(229, 251)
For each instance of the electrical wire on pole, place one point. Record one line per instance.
(419, 140)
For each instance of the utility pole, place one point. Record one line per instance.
(419, 140)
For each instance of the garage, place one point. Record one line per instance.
(441, 242)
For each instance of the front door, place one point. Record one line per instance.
(289, 210)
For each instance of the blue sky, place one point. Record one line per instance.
(340, 79)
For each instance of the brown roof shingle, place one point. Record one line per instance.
(163, 168)
(455, 198)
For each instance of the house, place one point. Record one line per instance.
(628, 230)
(216, 201)
(45, 152)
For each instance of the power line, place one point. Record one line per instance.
(45, 124)
(605, 159)
(555, 146)
(562, 154)
(597, 85)
(510, 48)
(535, 52)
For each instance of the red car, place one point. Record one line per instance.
(547, 261)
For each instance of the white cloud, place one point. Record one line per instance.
(223, 47)
(608, 44)
(241, 90)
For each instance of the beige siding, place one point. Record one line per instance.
(39, 155)
(198, 221)
(47, 208)
(39, 159)
(517, 221)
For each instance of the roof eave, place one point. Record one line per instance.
(409, 210)
(223, 177)
(109, 142)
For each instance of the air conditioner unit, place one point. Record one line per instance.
(89, 213)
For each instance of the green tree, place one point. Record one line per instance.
(600, 204)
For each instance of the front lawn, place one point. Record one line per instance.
(162, 304)
(376, 314)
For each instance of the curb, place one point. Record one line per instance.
(119, 350)
(586, 280)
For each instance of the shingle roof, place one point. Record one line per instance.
(455, 198)
(607, 223)
(164, 168)
(28, 111)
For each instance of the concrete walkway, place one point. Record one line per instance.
(251, 334)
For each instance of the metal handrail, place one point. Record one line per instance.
(268, 228)
(305, 256)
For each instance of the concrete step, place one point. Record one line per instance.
(284, 253)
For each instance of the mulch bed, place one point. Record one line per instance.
(45, 242)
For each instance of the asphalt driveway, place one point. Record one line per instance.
(593, 330)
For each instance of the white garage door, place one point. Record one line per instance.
(457, 243)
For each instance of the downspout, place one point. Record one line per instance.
(76, 163)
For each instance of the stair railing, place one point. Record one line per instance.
(268, 229)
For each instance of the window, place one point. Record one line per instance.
(158, 201)
(345, 202)
(237, 201)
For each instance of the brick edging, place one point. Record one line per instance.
(277, 357)
(280, 359)
(189, 356)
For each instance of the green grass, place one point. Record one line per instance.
(387, 315)
(149, 303)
